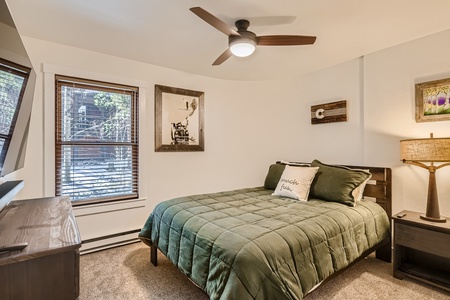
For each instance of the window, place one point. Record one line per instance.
(96, 140)
(13, 80)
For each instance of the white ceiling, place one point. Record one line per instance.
(168, 34)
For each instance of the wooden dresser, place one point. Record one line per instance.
(48, 268)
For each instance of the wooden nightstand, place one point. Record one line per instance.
(422, 249)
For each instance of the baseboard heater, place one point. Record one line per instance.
(109, 241)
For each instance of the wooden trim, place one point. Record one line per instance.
(89, 83)
(133, 144)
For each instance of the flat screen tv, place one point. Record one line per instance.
(17, 82)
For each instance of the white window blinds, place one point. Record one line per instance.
(96, 140)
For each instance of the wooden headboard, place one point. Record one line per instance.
(379, 187)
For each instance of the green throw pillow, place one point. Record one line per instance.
(273, 176)
(336, 183)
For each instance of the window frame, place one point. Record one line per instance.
(24, 72)
(64, 80)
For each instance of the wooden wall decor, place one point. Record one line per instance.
(329, 112)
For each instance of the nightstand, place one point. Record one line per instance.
(422, 249)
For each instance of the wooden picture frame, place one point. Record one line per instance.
(179, 119)
(433, 101)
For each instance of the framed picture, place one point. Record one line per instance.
(433, 101)
(178, 119)
(329, 112)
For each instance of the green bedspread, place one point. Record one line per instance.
(247, 244)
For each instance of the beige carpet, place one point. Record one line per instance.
(126, 273)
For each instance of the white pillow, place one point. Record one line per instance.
(357, 193)
(291, 163)
(295, 182)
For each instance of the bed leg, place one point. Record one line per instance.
(385, 252)
(154, 255)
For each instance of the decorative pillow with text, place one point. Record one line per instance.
(295, 182)
(275, 172)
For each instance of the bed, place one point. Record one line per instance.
(252, 243)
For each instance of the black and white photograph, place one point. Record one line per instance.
(179, 119)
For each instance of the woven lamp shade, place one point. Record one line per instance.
(425, 150)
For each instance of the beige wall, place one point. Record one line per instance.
(339, 142)
(389, 114)
(248, 125)
(379, 89)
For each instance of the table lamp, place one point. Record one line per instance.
(429, 150)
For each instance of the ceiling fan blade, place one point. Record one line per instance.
(223, 57)
(213, 21)
(285, 40)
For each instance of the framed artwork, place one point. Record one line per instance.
(433, 101)
(178, 119)
(329, 112)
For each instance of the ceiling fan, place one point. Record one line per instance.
(243, 42)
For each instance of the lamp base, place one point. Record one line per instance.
(431, 219)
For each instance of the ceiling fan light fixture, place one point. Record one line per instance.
(242, 47)
(243, 42)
